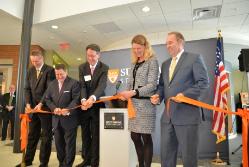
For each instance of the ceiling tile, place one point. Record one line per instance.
(152, 21)
(245, 28)
(178, 17)
(96, 17)
(235, 8)
(232, 20)
(183, 26)
(119, 13)
(246, 22)
(169, 6)
(205, 3)
(232, 1)
(153, 5)
(205, 24)
(130, 25)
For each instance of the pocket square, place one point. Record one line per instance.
(66, 91)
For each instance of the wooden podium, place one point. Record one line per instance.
(116, 146)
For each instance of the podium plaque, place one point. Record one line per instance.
(116, 146)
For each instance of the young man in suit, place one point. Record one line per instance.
(9, 101)
(38, 78)
(93, 78)
(183, 74)
(61, 95)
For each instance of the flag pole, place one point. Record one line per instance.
(218, 160)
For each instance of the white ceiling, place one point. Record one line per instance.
(165, 15)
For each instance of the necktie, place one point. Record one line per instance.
(172, 67)
(37, 73)
(92, 70)
(10, 100)
(60, 86)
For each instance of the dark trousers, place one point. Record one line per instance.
(183, 136)
(65, 142)
(9, 117)
(90, 136)
(40, 127)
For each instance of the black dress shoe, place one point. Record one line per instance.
(83, 164)
(26, 164)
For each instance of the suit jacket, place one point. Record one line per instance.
(190, 78)
(68, 97)
(5, 102)
(35, 87)
(93, 85)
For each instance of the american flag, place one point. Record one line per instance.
(220, 98)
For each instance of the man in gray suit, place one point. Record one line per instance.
(183, 74)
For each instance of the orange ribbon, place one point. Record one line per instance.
(244, 113)
(31, 111)
(24, 130)
(130, 107)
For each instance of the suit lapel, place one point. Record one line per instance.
(167, 71)
(178, 65)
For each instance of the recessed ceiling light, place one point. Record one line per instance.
(79, 59)
(54, 27)
(145, 9)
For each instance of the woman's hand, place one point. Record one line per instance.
(127, 94)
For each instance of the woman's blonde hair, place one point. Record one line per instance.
(148, 51)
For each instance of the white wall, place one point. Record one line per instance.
(46, 10)
(13, 7)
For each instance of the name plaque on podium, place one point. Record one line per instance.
(113, 120)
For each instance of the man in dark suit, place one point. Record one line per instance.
(63, 94)
(38, 78)
(183, 74)
(93, 78)
(9, 101)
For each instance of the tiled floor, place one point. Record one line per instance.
(9, 159)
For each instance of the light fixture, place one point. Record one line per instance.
(145, 9)
(54, 27)
(79, 59)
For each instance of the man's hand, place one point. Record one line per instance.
(28, 106)
(154, 99)
(89, 102)
(9, 108)
(177, 96)
(65, 112)
(121, 98)
(57, 111)
(38, 107)
(83, 105)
